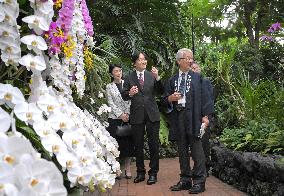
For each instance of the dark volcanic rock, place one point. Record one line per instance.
(250, 172)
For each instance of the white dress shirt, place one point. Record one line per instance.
(138, 74)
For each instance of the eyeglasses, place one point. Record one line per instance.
(187, 58)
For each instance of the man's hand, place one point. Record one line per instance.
(133, 91)
(205, 120)
(174, 97)
(155, 73)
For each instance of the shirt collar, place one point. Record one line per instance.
(138, 72)
(180, 72)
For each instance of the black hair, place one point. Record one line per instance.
(112, 66)
(135, 56)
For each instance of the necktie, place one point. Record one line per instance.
(182, 84)
(141, 81)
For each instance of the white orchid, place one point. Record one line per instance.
(7, 31)
(9, 46)
(10, 95)
(28, 112)
(40, 177)
(37, 23)
(60, 121)
(47, 103)
(53, 144)
(80, 175)
(10, 59)
(43, 128)
(13, 148)
(86, 156)
(67, 160)
(34, 63)
(34, 42)
(73, 139)
(5, 120)
(46, 7)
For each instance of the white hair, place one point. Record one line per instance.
(180, 53)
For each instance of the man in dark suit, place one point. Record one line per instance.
(189, 105)
(140, 86)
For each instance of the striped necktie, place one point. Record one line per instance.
(141, 81)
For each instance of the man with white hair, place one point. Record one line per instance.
(189, 104)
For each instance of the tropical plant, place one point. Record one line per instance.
(153, 27)
(264, 137)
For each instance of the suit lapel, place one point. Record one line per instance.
(147, 78)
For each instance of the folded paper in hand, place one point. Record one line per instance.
(202, 130)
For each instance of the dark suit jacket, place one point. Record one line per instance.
(198, 103)
(144, 100)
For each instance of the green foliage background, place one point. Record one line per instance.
(247, 74)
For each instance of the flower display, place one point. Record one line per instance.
(75, 138)
(71, 43)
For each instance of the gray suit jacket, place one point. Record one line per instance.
(144, 100)
(115, 101)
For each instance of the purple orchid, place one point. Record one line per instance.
(54, 50)
(87, 19)
(66, 15)
(274, 27)
(266, 38)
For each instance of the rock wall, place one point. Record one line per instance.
(249, 171)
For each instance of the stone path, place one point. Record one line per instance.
(167, 176)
